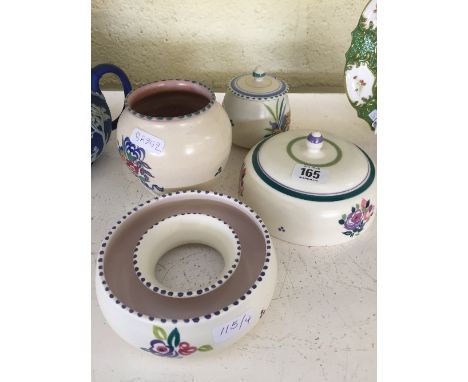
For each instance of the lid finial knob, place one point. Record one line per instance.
(258, 73)
(314, 141)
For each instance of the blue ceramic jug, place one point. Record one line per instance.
(101, 121)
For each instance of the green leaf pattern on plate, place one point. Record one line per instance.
(362, 57)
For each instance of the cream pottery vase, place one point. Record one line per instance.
(182, 324)
(310, 189)
(176, 151)
(258, 107)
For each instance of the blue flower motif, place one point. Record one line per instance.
(134, 157)
(132, 151)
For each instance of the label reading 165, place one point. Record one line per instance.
(309, 173)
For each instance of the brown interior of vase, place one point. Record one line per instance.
(124, 284)
(170, 98)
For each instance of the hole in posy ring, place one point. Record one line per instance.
(189, 267)
(186, 255)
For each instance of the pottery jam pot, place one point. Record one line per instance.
(310, 188)
(101, 121)
(185, 323)
(258, 107)
(173, 135)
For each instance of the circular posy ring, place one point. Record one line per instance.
(180, 229)
(167, 326)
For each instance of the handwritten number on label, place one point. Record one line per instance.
(222, 333)
(147, 141)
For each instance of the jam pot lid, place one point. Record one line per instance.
(311, 166)
(257, 85)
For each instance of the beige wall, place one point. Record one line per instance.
(302, 41)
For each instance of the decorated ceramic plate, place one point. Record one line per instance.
(361, 66)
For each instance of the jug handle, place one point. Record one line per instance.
(99, 70)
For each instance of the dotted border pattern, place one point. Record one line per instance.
(189, 293)
(102, 251)
(238, 93)
(180, 117)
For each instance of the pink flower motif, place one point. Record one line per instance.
(369, 213)
(161, 349)
(186, 349)
(363, 203)
(353, 220)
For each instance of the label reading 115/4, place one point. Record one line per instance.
(147, 141)
(308, 173)
(231, 328)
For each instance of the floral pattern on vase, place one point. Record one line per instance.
(281, 119)
(355, 221)
(170, 345)
(134, 156)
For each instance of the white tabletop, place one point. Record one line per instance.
(321, 324)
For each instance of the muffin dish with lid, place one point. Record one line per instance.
(200, 323)
(258, 107)
(173, 135)
(311, 188)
